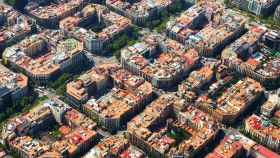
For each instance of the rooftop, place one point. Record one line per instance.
(223, 28)
(191, 20)
(79, 120)
(197, 79)
(139, 8)
(173, 60)
(54, 11)
(118, 102)
(74, 141)
(111, 146)
(147, 126)
(95, 14)
(232, 145)
(16, 24)
(10, 81)
(98, 75)
(31, 147)
(263, 127)
(50, 55)
(234, 100)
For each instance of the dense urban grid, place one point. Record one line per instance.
(140, 79)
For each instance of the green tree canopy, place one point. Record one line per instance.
(18, 4)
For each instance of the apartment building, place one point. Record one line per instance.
(93, 82)
(229, 147)
(149, 129)
(26, 147)
(113, 147)
(272, 39)
(13, 86)
(233, 102)
(265, 131)
(44, 56)
(75, 119)
(235, 144)
(263, 152)
(249, 57)
(202, 127)
(76, 138)
(132, 152)
(95, 14)
(196, 80)
(246, 44)
(49, 15)
(130, 93)
(39, 117)
(271, 105)
(76, 142)
(193, 19)
(219, 85)
(140, 127)
(14, 26)
(27, 124)
(257, 7)
(116, 107)
(58, 109)
(171, 66)
(214, 37)
(140, 12)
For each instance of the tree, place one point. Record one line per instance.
(17, 4)
(61, 90)
(11, 2)
(175, 8)
(2, 117)
(227, 2)
(60, 81)
(117, 54)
